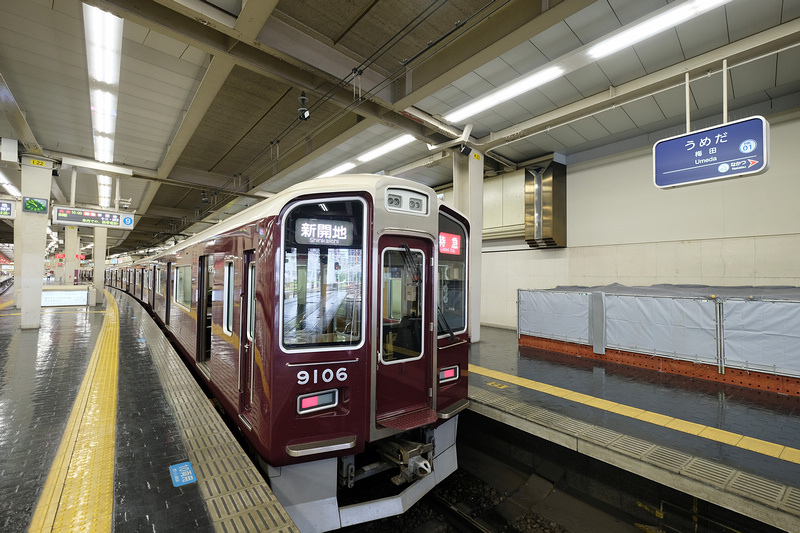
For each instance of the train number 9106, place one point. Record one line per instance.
(325, 376)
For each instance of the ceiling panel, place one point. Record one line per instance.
(704, 33)
(754, 76)
(590, 129)
(593, 22)
(748, 18)
(615, 120)
(644, 111)
(622, 67)
(556, 41)
(589, 80)
(660, 51)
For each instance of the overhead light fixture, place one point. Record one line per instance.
(344, 167)
(103, 33)
(104, 190)
(385, 148)
(8, 186)
(505, 93)
(643, 30)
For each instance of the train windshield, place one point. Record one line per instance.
(452, 275)
(323, 269)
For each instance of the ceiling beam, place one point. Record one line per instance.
(15, 117)
(476, 43)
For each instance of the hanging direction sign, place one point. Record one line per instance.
(731, 150)
(77, 216)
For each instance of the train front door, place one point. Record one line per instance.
(404, 377)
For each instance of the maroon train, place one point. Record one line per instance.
(330, 322)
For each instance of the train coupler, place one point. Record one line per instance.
(413, 458)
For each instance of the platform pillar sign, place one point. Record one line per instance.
(30, 238)
(731, 150)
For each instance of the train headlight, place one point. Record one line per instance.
(450, 373)
(317, 401)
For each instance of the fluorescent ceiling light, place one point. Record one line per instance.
(644, 30)
(104, 111)
(103, 148)
(505, 93)
(8, 186)
(103, 44)
(104, 190)
(344, 167)
(385, 148)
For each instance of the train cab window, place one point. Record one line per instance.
(323, 272)
(452, 275)
(402, 287)
(183, 285)
(227, 302)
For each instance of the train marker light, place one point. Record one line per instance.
(450, 373)
(316, 401)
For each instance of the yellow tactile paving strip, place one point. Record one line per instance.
(726, 437)
(79, 492)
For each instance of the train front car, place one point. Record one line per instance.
(358, 393)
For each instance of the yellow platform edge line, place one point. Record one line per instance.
(6, 304)
(763, 447)
(86, 440)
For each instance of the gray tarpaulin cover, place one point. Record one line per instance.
(763, 335)
(761, 325)
(554, 315)
(683, 328)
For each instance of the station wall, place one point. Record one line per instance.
(623, 229)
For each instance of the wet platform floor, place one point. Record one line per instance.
(755, 436)
(156, 406)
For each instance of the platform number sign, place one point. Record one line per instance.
(182, 474)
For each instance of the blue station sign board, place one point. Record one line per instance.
(730, 150)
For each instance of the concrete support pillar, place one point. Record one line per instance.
(30, 239)
(72, 247)
(99, 251)
(468, 198)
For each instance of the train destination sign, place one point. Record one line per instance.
(7, 209)
(77, 216)
(730, 150)
(330, 232)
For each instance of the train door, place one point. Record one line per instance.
(404, 380)
(205, 292)
(246, 334)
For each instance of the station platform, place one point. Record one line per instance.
(102, 428)
(731, 446)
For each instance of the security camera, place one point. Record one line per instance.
(303, 112)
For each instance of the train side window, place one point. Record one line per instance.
(452, 275)
(159, 281)
(183, 286)
(251, 301)
(322, 275)
(227, 302)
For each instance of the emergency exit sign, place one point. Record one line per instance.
(735, 149)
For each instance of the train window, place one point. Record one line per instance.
(159, 281)
(402, 296)
(323, 271)
(227, 302)
(183, 285)
(452, 275)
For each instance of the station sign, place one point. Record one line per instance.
(330, 232)
(8, 209)
(78, 216)
(735, 149)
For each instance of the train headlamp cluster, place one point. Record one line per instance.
(317, 401)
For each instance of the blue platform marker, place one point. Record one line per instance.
(182, 474)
